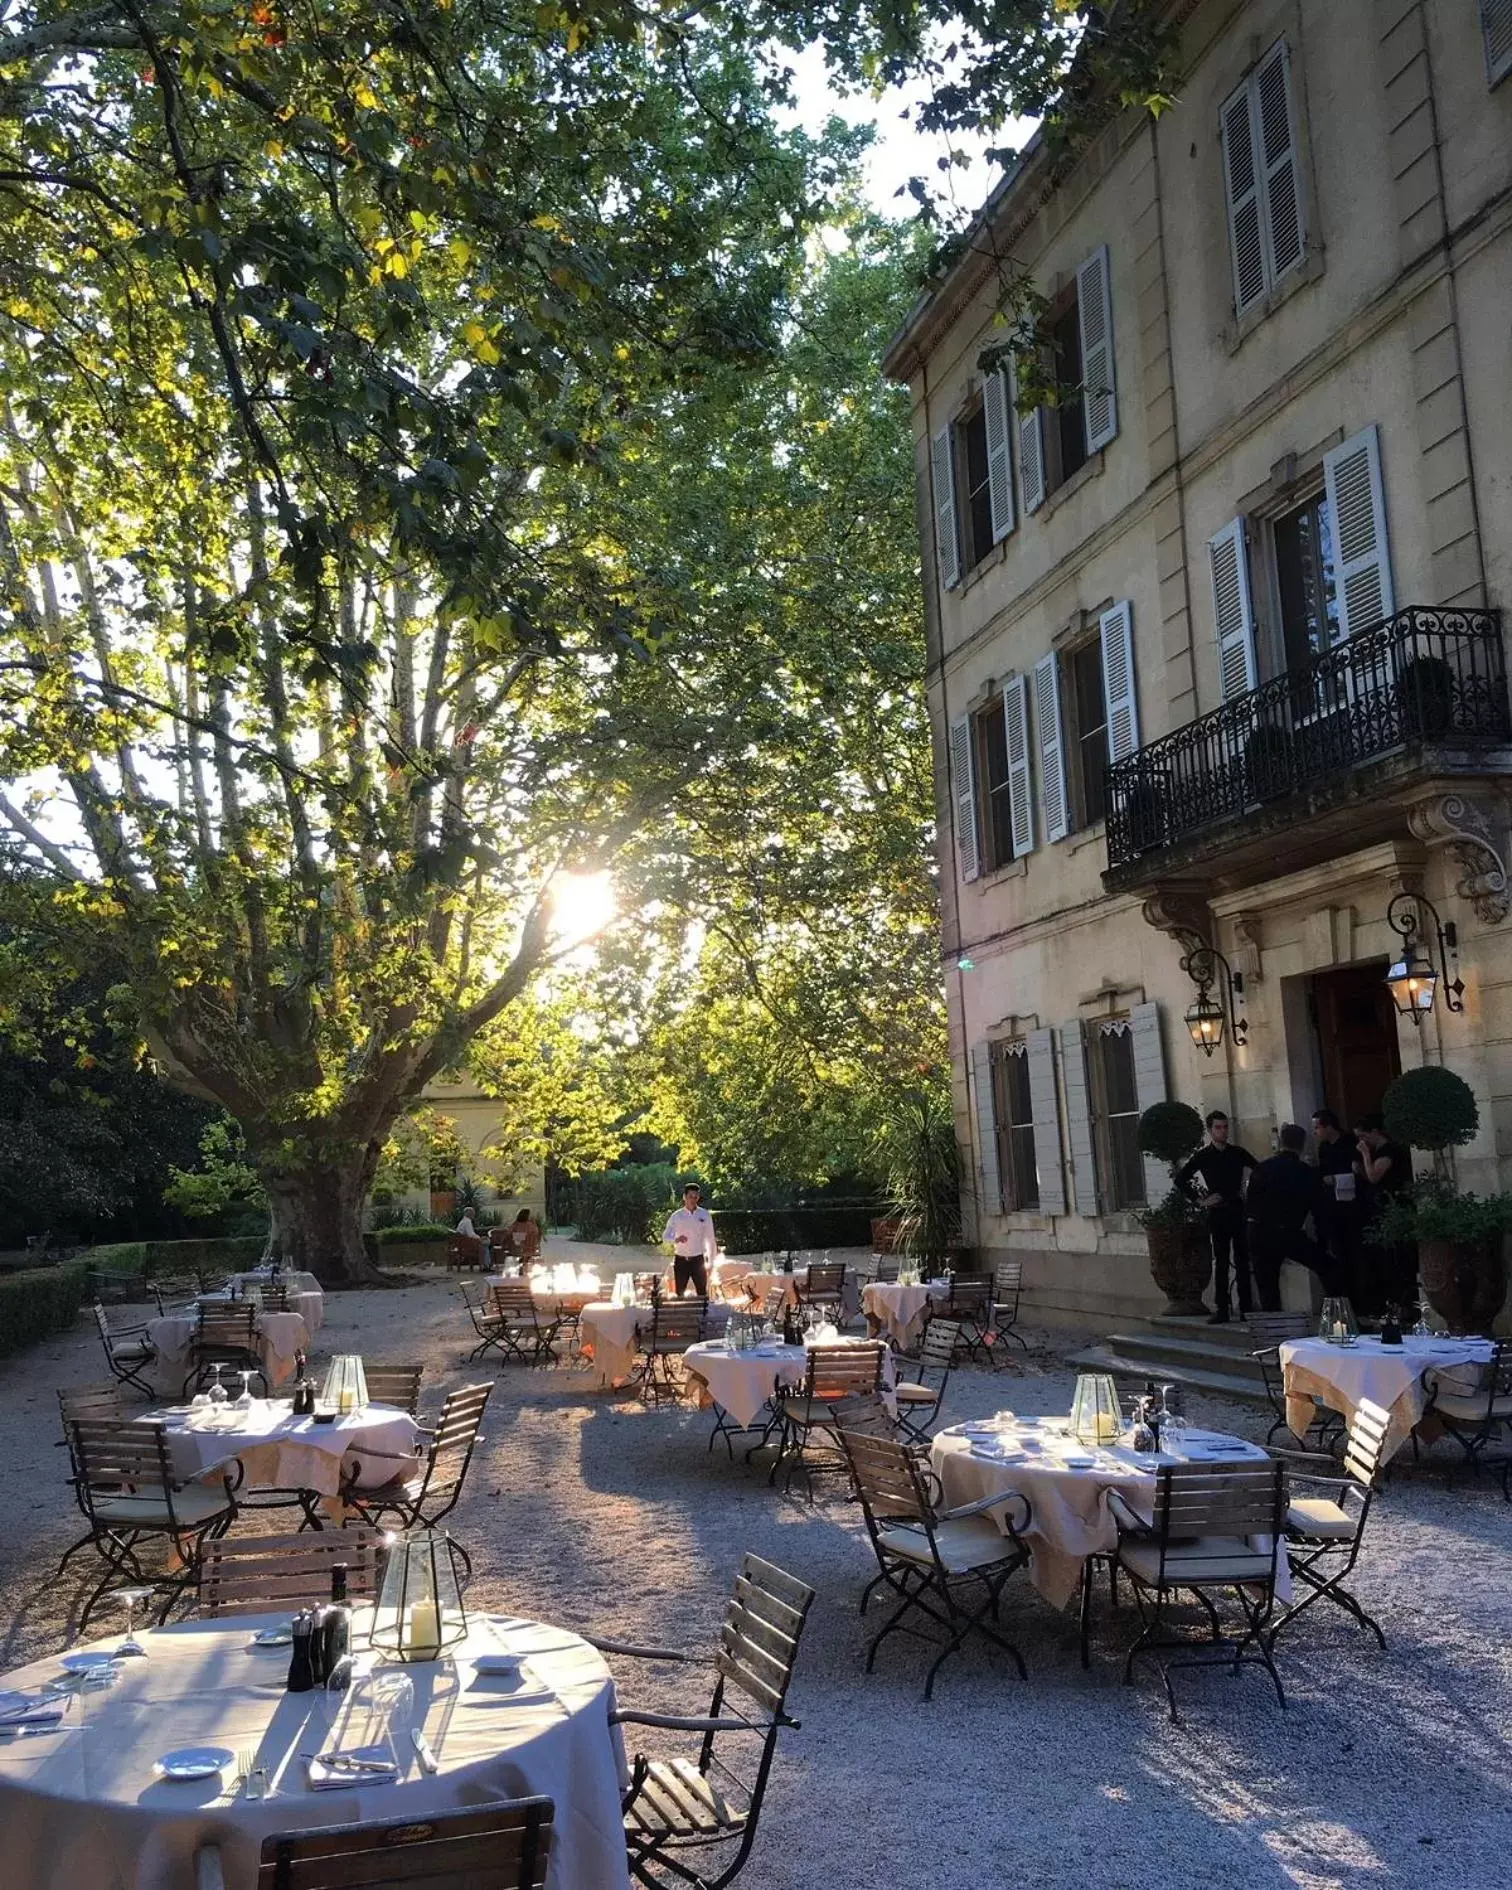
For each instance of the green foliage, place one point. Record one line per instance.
(1175, 1209)
(126, 1256)
(1430, 1108)
(223, 1179)
(422, 1230)
(628, 1205)
(554, 1084)
(1170, 1131)
(1432, 1210)
(794, 1228)
(918, 1152)
(39, 1302)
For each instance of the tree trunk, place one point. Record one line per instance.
(317, 1218)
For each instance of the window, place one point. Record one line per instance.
(1307, 602)
(992, 772)
(1013, 1116)
(971, 444)
(1089, 738)
(1066, 433)
(1056, 442)
(1262, 180)
(1496, 23)
(1115, 1105)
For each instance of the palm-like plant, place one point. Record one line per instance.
(917, 1150)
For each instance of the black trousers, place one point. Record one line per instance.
(696, 1271)
(1269, 1246)
(1227, 1233)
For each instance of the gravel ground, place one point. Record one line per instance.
(584, 1508)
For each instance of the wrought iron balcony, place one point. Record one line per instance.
(1426, 682)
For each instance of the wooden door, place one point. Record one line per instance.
(1357, 1037)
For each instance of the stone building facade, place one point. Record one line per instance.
(1217, 643)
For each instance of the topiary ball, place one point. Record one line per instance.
(1430, 1108)
(1169, 1131)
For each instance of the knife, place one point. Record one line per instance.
(423, 1753)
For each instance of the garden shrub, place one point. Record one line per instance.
(427, 1230)
(40, 1301)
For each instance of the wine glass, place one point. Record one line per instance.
(218, 1392)
(132, 1597)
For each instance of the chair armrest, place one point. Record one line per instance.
(208, 1874)
(1127, 1518)
(985, 1503)
(633, 1652)
(1301, 1456)
(673, 1722)
(1342, 1484)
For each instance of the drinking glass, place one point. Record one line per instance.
(131, 1597)
(217, 1389)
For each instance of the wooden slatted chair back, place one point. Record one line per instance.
(838, 1371)
(763, 1623)
(223, 1327)
(496, 1847)
(109, 1455)
(1008, 1281)
(865, 1413)
(91, 1404)
(1269, 1329)
(938, 1346)
(267, 1574)
(274, 1298)
(677, 1323)
(512, 1299)
(395, 1385)
(969, 1299)
(887, 1480)
(1193, 1500)
(826, 1280)
(1365, 1445)
(457, 1428)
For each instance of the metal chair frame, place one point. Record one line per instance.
(892, 1485)
(527, 1336)
(88, 1404)
(442, 1470)
(969, 1306)
(832, 1372)
(129, 1462)
(1320, 1562)
(127, 1370)
(489, 1327)
(937, 1350)
(1272, 1330)
(1002, 1317)
(675, 1324)
(1475, 1438)
(676, 1809)
(1208, 1501)
(225, 1334)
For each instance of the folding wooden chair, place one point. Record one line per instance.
(674, 1325)
(527, 1335)
(833, 1372)
(274, 1574)
(1270, 1331)
(1478, 1419)
(1002, 1318)
(395, 1385)
(128, 1351)
(225, 1334)
(921, 1399)
(424, 1490)
(86, 1404)
(1324, 1528)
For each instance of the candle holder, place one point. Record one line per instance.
(420, 1612)
(1337, 1323)
(345, 1385)
(1095, 1414)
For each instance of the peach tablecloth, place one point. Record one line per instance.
(898, 1310)
(283, 1452)
(1341, 1375)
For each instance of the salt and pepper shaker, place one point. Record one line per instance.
(302, 1665)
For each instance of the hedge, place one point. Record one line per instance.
(430, 1230)
(770, 1230)
(39, 1302)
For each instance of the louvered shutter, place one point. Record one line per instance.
(1044, 1100)
(1246, 244)
(1233, 611)
(995, 416)
(1047, 720)
(963, 792)
(1030, 428)
(1020, 783)
(1361, 555)
(1275, 123)
(990, 1201)
(1149, 1087)
(1094, 312)
(1496, 23)
(947, 540)
(1078, 1117)
(1117, 627)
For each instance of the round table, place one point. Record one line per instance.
(608, 1332)
(283, 1452)
(306, 1295)
(81, 1808)
(1341, 1375)
(741, 1383)
(281, 1337)
(898, 1310)
(1071, 1517)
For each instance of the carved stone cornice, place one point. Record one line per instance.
(1473, 829)
(1179, 907)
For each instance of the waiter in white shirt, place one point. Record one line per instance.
(691, 1233)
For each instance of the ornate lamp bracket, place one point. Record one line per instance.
(1474, 830)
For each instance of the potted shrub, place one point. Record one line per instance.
(1181, 1256)
(1461, 1238)
(916, 1143)
(1425, 698)
(1268, 762)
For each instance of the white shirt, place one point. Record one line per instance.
(691, 1232)
(465, 1226)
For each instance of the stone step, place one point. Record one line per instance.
(1199, 1374)
(1197, 1353)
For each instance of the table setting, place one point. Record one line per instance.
(287, 1450)
(896, 1307)
(281, 1337)
(741, 1379)
(1341, 1370)
(306, 1295)
(115, 1769)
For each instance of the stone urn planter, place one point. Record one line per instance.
(1465, 1282)
(1181, 1263)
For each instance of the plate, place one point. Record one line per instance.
(191, 1762)
(85, 1663)
(497, 1663)
(274, 1636)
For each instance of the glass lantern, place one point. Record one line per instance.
(1337, 1322)
(346, 1385)
(420, 1612)
(1095, 1414)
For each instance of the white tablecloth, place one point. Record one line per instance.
(284, 1452)
(80, 1808)
(281, 1336)
(742, 1382)
(1071, 1518)
(610, 1332)
(899, 1309)
(1341, 1375)
(306, 1295)
(771, 1292)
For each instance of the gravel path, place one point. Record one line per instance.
(584, 1508)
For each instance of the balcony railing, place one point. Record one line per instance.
(1434, 677)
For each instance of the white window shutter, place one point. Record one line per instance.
(1149, 1087)
(990, 1200)
(1047, 719)
(1119, 695)
(1496, 23)
(963, 792)
(1286, 237)
(1233, 611)
(1030, 429)
(1094, 311)
(995, 414)
(1078, 1117)
(1361, 554)
(1020, 782)
(1242, 189)
(947, 538)
(1044, 1100)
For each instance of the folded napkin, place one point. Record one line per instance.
(359, 1765)
(996, 1453)
(26, 1709)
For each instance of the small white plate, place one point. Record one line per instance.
(85, 1663)
(497, 1663)
(193, 1762)
(274, 1637)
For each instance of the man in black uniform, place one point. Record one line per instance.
(1222, 1164)
(1387, 1275)
(1283, 1191)
(1340, 1221)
